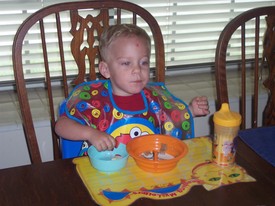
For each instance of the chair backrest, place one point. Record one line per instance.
(252, 66)
(67, 36)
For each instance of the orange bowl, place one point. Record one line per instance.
(146, 151)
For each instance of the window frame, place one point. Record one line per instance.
(183, 42)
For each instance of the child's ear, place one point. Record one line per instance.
(103, 69)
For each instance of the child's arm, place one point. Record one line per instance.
(72, 130)
(199, 106)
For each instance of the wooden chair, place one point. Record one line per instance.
(260, 21)
(84, 21)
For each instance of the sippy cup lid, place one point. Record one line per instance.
(227, 118)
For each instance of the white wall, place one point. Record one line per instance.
(13, 148)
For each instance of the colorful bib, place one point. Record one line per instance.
(91, 103)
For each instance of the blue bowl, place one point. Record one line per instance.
(108, 161)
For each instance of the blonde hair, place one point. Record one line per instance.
(121, 30)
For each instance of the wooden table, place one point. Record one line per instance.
(57, 183)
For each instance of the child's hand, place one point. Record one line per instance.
(103, 141)
(70, 129)
(199, 106)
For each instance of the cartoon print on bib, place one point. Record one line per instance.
(92, 104)
(126, 129)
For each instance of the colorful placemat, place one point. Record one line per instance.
(131, 183)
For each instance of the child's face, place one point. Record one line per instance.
(127, 65)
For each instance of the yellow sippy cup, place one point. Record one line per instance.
(226, 127)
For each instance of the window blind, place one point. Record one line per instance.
(190, 30)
